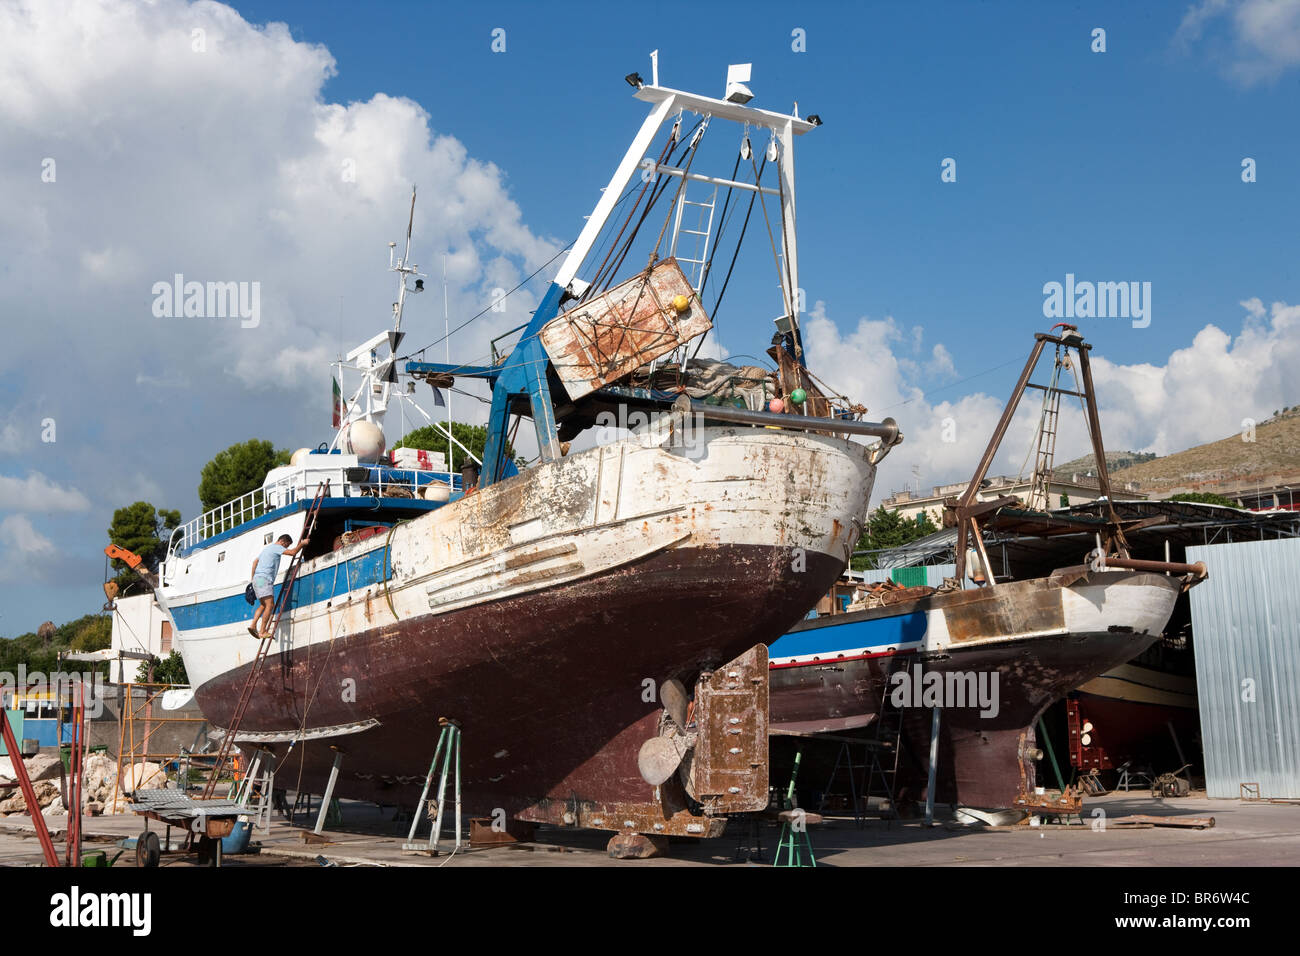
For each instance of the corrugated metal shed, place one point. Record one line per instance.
(1246, 627)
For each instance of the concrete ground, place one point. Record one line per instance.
(1245, 834)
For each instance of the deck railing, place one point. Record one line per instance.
(232, 514)
(284, 492)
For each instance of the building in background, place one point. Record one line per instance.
(140, 626)
(1076, 489)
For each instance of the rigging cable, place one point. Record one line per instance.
(661, 184)
(439, 341)
(645, 185)
(776, 257)
(488, 309)
(744, 226)
(693, 150)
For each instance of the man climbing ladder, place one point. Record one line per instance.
(265, 568)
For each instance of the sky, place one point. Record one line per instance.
(970, 155)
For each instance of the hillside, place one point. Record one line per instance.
(39, 650)
(1275, 454)
(1115, 460)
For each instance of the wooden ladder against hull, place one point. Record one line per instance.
(281, 604)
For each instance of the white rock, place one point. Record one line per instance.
(13, 803)
(144, 776)
(47, 791)
(99, 774)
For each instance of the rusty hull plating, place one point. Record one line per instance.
(534, 611)
(1037, 636)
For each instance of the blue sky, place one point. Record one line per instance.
(1123, 165)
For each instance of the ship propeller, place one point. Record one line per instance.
(659, 757)
(673, 696)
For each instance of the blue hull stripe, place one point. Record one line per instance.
(837, 638)
(324, 585)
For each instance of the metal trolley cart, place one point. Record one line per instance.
(207, 822)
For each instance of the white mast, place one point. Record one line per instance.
(446, 322)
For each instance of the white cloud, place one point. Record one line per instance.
(39, 494)
(1203, 391)
(11, 439)
(942, 439)
(24, 552)
(226, 165)
(128, 156)
(1262, 41)
(16, 532)
(1200, 394)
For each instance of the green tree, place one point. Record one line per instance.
(1205, 498)
(94, 634)
(889, 529)
(430, 438)
(145, 530)
(239, 469)
(166, 670)
(38, 652)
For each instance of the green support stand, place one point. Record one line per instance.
(795, 844)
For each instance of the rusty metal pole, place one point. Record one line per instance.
(121, 741)
(986, 460)
(148, 713)
(76, 762)
(1099, 451)
(29, 794)
(984, 555)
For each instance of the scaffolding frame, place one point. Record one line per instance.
(133, 742)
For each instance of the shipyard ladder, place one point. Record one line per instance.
(884, 756)
(880, 757)
(281, 604)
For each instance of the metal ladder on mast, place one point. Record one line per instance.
(702, 236)
(1046, 452)
(282, 603)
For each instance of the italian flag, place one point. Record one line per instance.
(340, 406)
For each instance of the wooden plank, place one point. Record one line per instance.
(1193, 823)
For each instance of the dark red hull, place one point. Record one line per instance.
(550, 688)
(979, 757)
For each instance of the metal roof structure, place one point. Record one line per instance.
(1029, 544)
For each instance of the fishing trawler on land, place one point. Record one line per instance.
(1035, 639)
(535, 606)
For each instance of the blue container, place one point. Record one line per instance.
(237, 841)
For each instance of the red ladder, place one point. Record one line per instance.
(282, 602)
